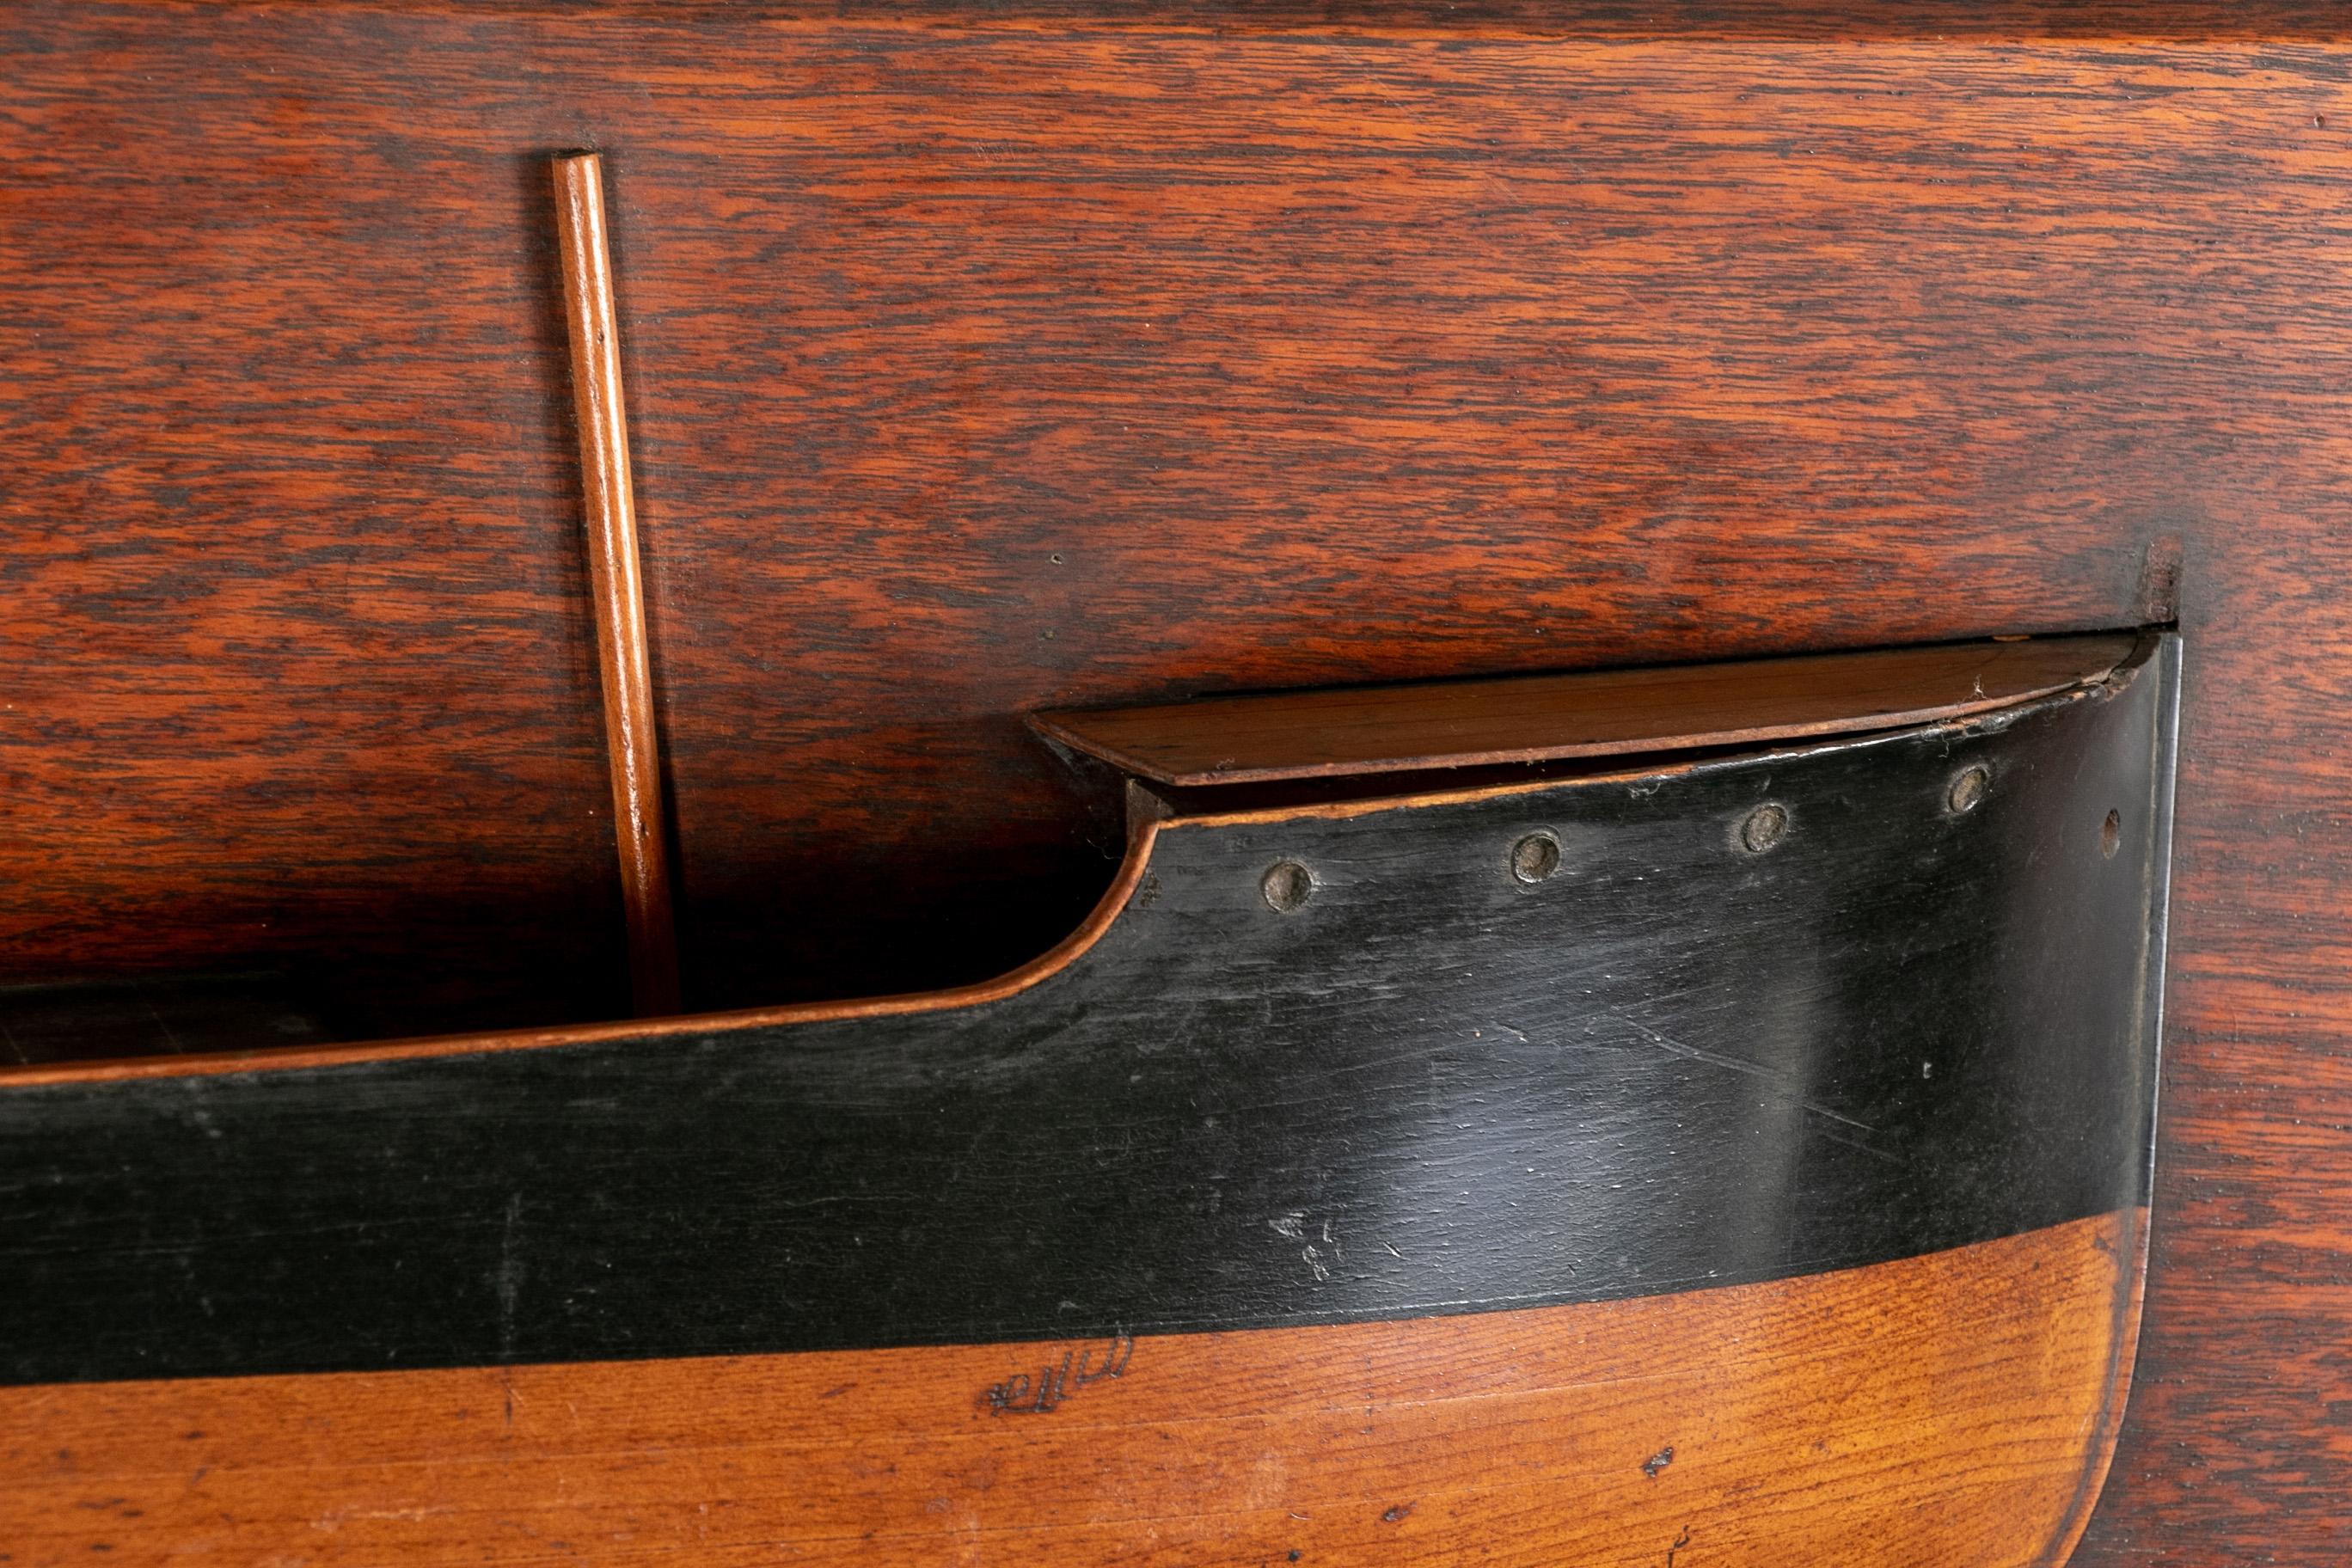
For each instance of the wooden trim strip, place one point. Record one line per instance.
(1357, 730)
(617, 579)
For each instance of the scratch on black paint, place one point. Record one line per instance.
(509, 1283)
(1776, 1082)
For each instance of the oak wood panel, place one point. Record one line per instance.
(1785, 21)
(1407, 352)
(886, 379)
(297, 676)
(1958, 1400)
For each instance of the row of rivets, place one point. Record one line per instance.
(1287, 885)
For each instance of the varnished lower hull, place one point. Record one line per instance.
(1954, 1408)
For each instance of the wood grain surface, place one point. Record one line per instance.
(1957, 1401)
(1541, 718)
(1067, 362)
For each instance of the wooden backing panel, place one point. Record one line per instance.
(1636, 348)
(1539, 717)
(1298, 392)
(616, 581)
(1780, 21)
(1955, 1397)
(298, 677)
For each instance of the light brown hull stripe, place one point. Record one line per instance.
(1959, 1400)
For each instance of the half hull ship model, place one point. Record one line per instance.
(1728, 1136)
(1336, 783)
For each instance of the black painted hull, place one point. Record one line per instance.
(1434, 1089)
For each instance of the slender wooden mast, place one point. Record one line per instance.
(617, 581)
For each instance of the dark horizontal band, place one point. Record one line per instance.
(1758, 1018)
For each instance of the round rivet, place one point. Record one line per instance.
(1286, 885)
(1535, 857)
(2111, 834)
(1967, 791)
(1766, 825)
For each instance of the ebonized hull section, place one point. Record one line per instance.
(1681, 1061)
